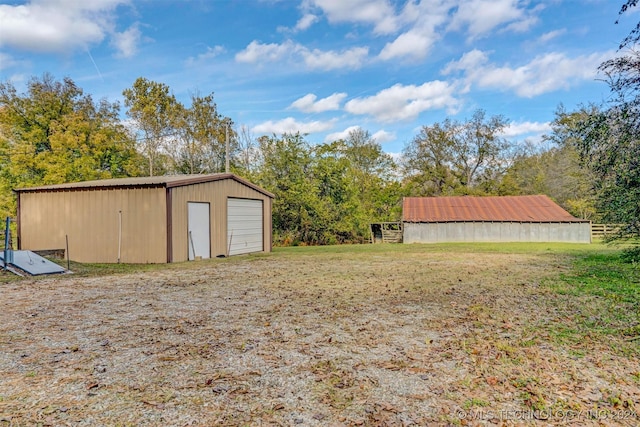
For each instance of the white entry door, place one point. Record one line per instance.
(199, 237)
(244, 226)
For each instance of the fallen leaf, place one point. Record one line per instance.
(492, 381)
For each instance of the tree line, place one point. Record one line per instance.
(326, 193)
(329, 192)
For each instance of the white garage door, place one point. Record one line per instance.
(244, 226)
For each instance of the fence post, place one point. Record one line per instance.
(7, 240)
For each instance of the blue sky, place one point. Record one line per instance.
(323, 67)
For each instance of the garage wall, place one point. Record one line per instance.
(575, 232)
(90, 218)
(215, 193)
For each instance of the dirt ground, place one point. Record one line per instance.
(310, 339)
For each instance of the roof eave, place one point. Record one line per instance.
(166, 184)
(210, 178)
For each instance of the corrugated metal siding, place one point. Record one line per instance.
(245, 226)
(90, 218)
(499, 209)
(440, 232)
(215, 193)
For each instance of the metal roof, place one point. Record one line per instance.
(491, 208)
(167, 181)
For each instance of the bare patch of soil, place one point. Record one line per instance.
(311, 340)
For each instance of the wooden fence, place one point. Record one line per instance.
(386, 232)
(600, 231)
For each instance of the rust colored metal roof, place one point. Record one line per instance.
(167, 181)
(491, 208)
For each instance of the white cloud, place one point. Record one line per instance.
(545, 73)
(260, 52)
(352, 59)
(291, 125)
(210, 53)
(468, 61)
(382, 136)
(336, 136)
(482, 16)
(423, 19)
(308, 103)
(522, 25)
(526, 128)
(401, 102)
(551, 35)
(411, 44)
(379, 13)
(126, 43)
(397, 157)
(316, 59)
(7, 61)
(307, 20)
(304, 23)
(57, 25)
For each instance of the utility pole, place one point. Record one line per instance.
(226, 147)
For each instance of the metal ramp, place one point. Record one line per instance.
(31, 263)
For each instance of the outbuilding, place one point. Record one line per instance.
(148, 219)
(490, 219)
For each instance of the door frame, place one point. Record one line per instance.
(191, 246)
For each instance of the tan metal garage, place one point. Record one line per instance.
(148, 219)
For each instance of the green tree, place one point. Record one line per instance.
(365, 154)
(54, 133)
(248, 153)
(374, 174)
(479, 150)
(569, 182)
(326, 193)
(339, 206)
(457, 157)
(608, 144)
(428, 158)
(608, 139)
(203, 133)
(156, 114)
(634, 35)
(556, 172)
(285, 167)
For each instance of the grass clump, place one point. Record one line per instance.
(631, 255)
(603, 302)
(605, 275)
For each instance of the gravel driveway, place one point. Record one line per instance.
(309, 339)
